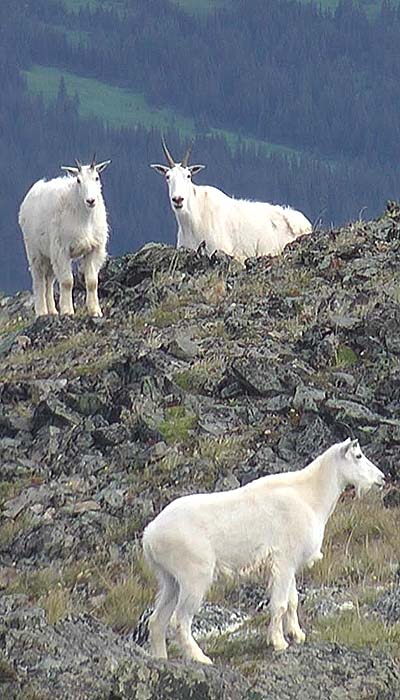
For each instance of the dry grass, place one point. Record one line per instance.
(361, 544)
(57, 604)
(38, 363)
(195, 378)
(353, 629)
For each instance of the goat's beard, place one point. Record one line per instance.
(362, 489)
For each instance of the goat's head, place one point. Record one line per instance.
(356, 469)
(88, 180)
(178, 177)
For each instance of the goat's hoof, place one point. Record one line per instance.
(280, 645)
(95, 313)
(203, 659)
(298, 637)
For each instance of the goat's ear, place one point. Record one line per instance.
(102, 166)
(70, 170)
(345, 446)
(163, 169)
(194, 169)
(355, 444)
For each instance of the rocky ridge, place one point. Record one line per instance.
(201, 375)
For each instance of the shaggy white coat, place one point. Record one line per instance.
(239, 227)
(277, 520)
(61, 220)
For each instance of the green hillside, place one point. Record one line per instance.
(119, 107)
(202, 6)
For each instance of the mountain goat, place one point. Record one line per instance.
(63, 219)
(239, 227)
(277, 520)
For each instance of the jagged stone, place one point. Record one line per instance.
(105, 421)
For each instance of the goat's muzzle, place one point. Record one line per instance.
(177, 202)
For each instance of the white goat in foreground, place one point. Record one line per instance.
(278, 520)
(63, 219)
(239, 227)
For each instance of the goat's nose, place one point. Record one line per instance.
(90, 202)
(178, 201)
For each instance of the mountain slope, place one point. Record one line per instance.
(201, 376)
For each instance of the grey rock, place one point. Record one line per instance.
(317, 671)
(183, 347)
(308, 398)
(388, 606)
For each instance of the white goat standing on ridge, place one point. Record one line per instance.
(278, 520)
(63, 219)
(239, 227)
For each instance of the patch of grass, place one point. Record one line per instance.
(94, 367)
(355, 630)
(57, 604)
(221, 451)
(124, 603)
(195, 378)
(177, 425)
(361, 544)
(12, 326)
(345, 356)
(251, 644)
(11, 489)
(37, 363)
(10, 529)
(122, 531)
(212, 329)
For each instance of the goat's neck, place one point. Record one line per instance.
(191, 217)
(323, 484)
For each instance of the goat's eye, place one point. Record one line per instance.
(358, 456)
(78, 180)
(189, 176)
(167, 177)
(97, 178)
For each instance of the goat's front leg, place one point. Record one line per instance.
(291, 621)
(91, 265)
(51, 307)
(62, 267)
(278, 606)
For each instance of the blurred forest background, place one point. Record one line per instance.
(289, 102)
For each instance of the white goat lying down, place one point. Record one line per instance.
(278, 520)
(63, 219)
(239, 227)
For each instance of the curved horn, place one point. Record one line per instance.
(78, 164)
(167, 154)
(185, 159)
(93, 163)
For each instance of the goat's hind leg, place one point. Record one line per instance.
(166, 602)
(291, 621)
(39, 287)
(192, 591)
